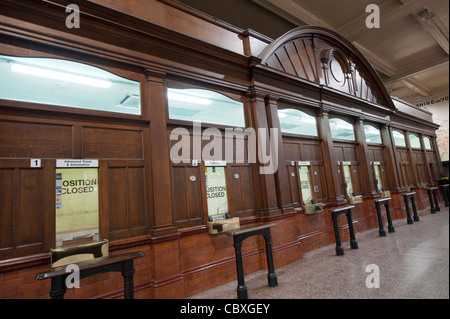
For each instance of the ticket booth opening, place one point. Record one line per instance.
(305, 185)
(216, 192)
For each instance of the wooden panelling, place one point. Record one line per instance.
(187, 196)
(302, 149)
(112, 143)
(23, 207)
(311, 151)
(19, 139)
(375, 154)
(292, 151)
(127, 204)
(241, 190)
(294, 185)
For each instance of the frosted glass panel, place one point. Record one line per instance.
(399, 139)
(427, 143)
(297, 122)
(67, 83)
(372, 134)
(205, 106)
(414, 141)
(342, 130)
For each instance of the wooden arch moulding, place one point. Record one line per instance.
(324, 57)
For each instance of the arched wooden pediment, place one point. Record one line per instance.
(324, 57)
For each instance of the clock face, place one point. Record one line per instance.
(336, 71)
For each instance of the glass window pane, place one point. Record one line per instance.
(342, 130)
(427, 143)
(414, 141)
(373, 134)
(297, 122)
(195, 105)
(67, 83)
(305, 184)
(216, 190)
(399, 139)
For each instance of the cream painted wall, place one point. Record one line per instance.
(439, 106)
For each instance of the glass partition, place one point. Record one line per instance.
(342, 130)
(196, 105)
(67, 83)
(414, 141)
(427, 143)
(373, 134)
(399, 139)
(297, 122)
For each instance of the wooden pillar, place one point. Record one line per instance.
(267, 198)
(282, 183)
(335, 193)
(157, 166)
(425, 158)
(389, 154)
(366, 168)
(410, 158)
(438, 156)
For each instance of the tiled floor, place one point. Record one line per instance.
(413, 263)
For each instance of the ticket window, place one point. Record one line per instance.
(378, 179)
(348, 180)
(216, 192)
(305, 185)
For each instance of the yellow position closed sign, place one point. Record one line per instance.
(77, 204)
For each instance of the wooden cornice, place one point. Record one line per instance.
(121, 37)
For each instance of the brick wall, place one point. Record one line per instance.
(192, 261)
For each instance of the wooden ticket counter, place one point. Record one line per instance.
(181, 127)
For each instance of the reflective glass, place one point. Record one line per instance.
(195, 105)
(342, 130)
(67, 83)
(372, 134)
(297, 122)
(414, 141)
(399, 139)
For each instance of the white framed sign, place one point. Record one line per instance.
(304, 163)
(215, 163)
(76, 163)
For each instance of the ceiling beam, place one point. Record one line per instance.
(416, 86)
(300, 16)
(356, 28)
(418, 67)
(434, 26)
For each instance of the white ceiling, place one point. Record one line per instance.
(409, 52)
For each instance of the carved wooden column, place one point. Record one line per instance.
(282, 175)
(425, 159)
(366, 169)
(157, 156)
(392, 167)
(410, 158)
(267, 198)
(335, 193)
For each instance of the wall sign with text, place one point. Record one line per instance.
(77, 202)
